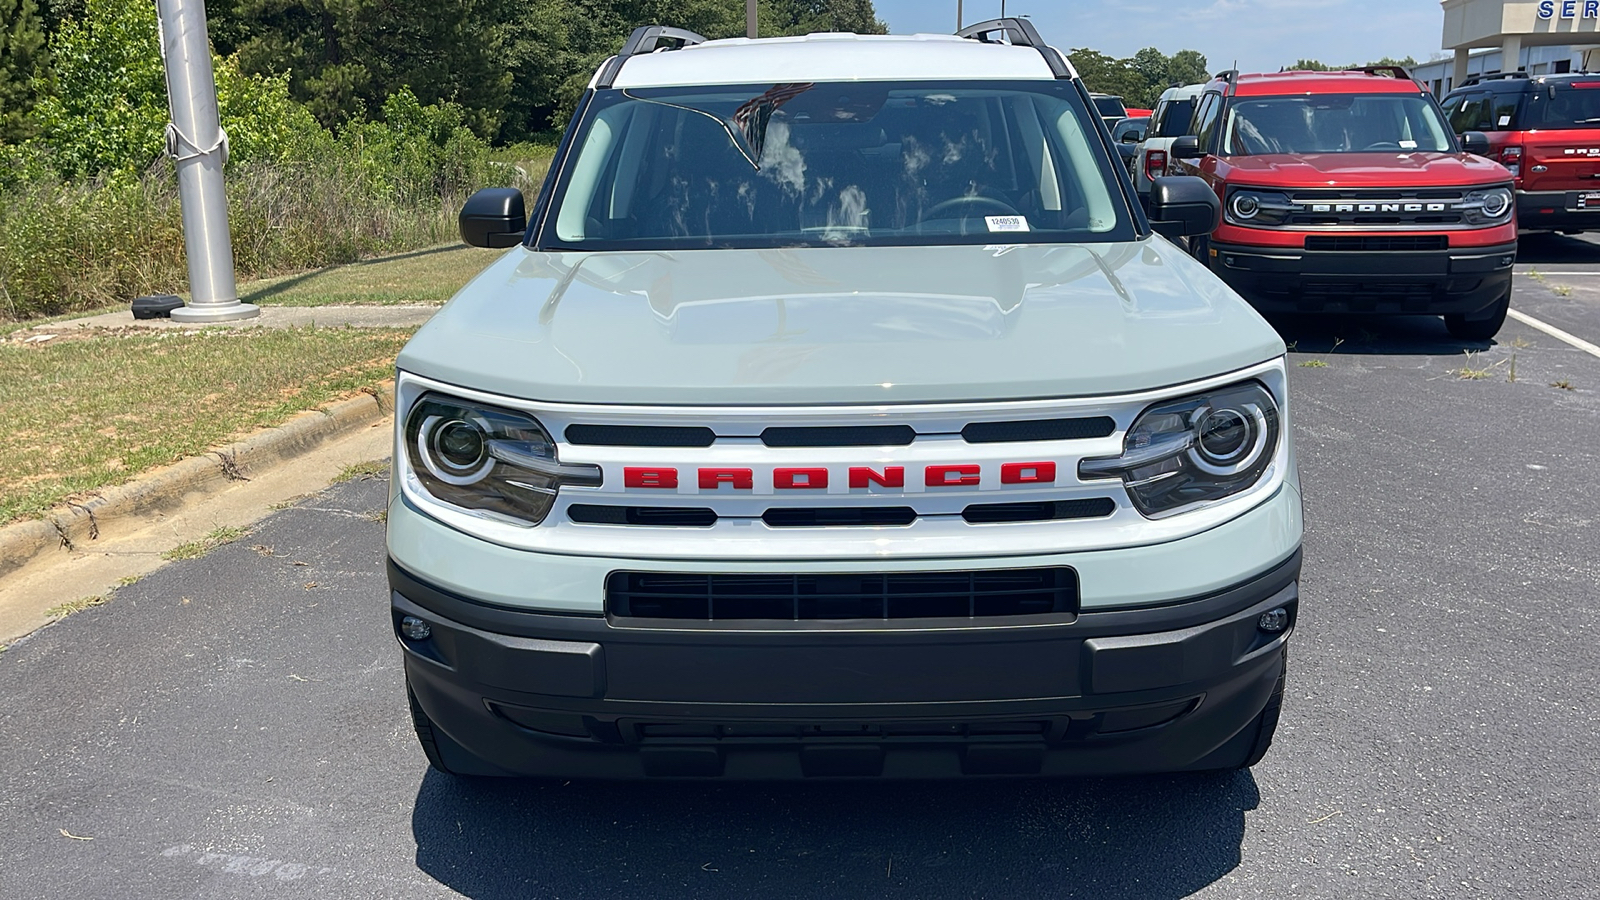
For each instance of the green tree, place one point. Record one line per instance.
(1187, 67)
(24, 66)
(343, 58)
(1139, 79)
(1311, 65)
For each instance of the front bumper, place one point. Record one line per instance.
(1438, 282)
(1553, 211)
(1105, 691)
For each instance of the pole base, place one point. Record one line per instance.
(220, 312)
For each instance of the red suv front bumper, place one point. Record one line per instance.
(1384, 273)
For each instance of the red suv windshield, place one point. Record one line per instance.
(1335, 123)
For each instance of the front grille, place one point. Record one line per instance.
(895, 595)
(784, 732)
(1359, 206)
(1088, 508)
(823, 516)
(1039, 430)
(640, 435)
(659, 516)
(1377, 243)
(840, 436)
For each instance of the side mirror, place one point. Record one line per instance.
(1183, 205)
(1131, 137)
(1186, 147)
(1475, 142)
(494, 217)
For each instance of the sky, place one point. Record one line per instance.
(1262, 35)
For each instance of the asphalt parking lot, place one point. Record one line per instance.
(235, 725)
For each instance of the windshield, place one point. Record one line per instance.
(1570, 106)
(1335, 123)
(835, 164)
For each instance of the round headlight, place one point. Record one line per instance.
(1495, 203)
(1245, 206)
(454, 450)
(1228, 439)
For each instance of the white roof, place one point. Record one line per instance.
(833, 57)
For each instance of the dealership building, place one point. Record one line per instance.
(1541, 37)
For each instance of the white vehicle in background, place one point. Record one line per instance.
(1110, 107)
(1168, 121)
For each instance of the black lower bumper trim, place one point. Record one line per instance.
(1553, 211)
(1463, 280)
(1131, 690)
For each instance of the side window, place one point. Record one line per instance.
(1505, 111)
(1206, 120)
(1158, 115)
(1470, 112)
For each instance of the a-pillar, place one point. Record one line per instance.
(1511, 53)
(1459, 76)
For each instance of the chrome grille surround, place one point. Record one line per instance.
(940, 531)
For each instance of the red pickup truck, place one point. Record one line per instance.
(1348, 192)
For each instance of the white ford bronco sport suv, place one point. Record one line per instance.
(836, 412)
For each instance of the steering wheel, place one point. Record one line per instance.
(978, 202)
(1382, 145)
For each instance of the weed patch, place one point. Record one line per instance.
(70, 607)
(372, 468)
(226, 534)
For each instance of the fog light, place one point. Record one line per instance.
(1272, 621)
(418, 630)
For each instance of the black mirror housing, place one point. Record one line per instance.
(494, 217)
(1475, 142)
(1186, 147)
(1183, 205)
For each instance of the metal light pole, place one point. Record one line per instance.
(196, 143)
(958, 15)
(750, 19)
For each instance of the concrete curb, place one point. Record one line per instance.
(125, 507)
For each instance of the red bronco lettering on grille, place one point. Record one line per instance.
(860, 477)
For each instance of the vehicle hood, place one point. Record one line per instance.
(840, 325)
(1374, 170)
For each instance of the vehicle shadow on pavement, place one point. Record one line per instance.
(1371, 335)
(1549, 249)
(1104, 838)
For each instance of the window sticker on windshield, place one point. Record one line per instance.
(1006, 223)
(1408, 145)
(1505, 120)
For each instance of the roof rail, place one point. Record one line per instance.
(1495, 76)
(1021, 33)
(645, 39)
(1399, 72)
(1231, 76)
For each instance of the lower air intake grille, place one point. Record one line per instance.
(1087, 508)
(896, 595)
(1378, 243)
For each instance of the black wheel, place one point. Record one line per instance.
(1480, 329)
(443, 754)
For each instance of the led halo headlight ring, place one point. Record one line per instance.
(1496, 202)
(1245, 206)
(1233, 461)
(433, 455)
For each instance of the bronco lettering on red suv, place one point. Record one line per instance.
(1347, 192)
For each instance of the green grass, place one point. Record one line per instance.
(403, 279)
(226, 534)
(91, 410)
(79, 605)
(372, 468)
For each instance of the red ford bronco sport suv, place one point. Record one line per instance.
(1546, 131)
(1347, 192)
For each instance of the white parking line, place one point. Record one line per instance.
(1558, 334)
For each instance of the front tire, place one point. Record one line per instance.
(1465, 329)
